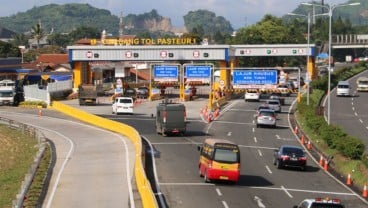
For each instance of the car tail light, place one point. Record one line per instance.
(164, 116)
(285, 157)
(337, 201)
(302, 158)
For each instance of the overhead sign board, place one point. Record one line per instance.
(254, 77)
(165, 72)
(197, 73)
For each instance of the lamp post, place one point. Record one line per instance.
(330, 8)
(22, 50)
(307, 51)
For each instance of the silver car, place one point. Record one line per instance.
(274, 105)
(266, 117)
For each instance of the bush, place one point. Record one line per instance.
(315, 123)
(332, 135)
(365, 159)
(351, 147)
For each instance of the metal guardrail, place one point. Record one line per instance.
(36, 134)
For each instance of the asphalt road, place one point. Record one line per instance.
(93, 167)
(351, 112)
(261, 183)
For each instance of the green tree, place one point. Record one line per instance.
(62, 40)
(37, 33)
(20, 40)
(85, 32)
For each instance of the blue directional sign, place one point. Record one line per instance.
(166, 72)
(254, 77)
(202, 72)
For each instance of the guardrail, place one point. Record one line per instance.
(143, 184)
(36, 134)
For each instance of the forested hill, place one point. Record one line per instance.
(65, 18)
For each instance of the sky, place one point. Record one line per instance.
(239, 13)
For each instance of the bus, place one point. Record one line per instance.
(219, 160)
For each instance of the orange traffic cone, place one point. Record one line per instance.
(325, 167)
(365, 191)
(348, 180)
(321, 161)
(309, 145)
(302, 140)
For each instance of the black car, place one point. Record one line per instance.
(142, 92)
(290, 156)
(130, 92)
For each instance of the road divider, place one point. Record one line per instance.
(144, 188)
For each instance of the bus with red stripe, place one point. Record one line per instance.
(219, 160)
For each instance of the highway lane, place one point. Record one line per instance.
(261, 183)
(93, 167)
(351, 112)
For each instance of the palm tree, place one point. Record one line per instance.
(38, 33)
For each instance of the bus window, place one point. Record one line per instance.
(226, 155)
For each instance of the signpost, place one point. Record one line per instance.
(198, 73)
(254, 77)
(166, 73)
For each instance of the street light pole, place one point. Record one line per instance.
(330, 8)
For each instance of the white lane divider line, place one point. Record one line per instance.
(361, 121)
(356, 114)
(284, 189)
(255, 139)
(218, 192)
(225, 204)
(260, 153)
(353, 108)
(268, 169)
(229, 133)
(253, 129)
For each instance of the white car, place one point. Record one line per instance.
(274, 105)
(123, 105)
(266, 117)
(251, 95)
(320, 202)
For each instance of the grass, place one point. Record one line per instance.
(17, 151)
(343, 165)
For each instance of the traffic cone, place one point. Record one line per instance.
(321, 161)
(302, 140)
(39, 112)
(296, 131)
(348, 180)
(309, 145)
(325, 167)
(365, 191)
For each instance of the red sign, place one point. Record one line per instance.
(196, 54)
(89, 54)
(163, 54)
(128, 54)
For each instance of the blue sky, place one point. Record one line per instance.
(239, 12)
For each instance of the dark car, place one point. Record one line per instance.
(130, 92)
(142, 92)
(290, 156)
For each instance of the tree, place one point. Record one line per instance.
(85, 32)
(38, 33)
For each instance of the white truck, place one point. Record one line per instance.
(362, 84)
(7, 95)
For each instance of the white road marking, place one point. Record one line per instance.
(353, 108)
(260, 153)
(356, 114)
(306, 191)
(259, 202)
(229, 133)
(283, 188)
(268, 169)
(255, 139)
(361, 121)
(218, 192)
(253, 129)
(225, 204)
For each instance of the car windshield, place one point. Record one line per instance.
(326, 205)
(292, 150)
(273, 102)
(266, 113)
(226, 155)
(125, 101)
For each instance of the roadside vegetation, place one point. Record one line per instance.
(17, 152)
(347, 151)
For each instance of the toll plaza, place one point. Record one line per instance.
(183, 63)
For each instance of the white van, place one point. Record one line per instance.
(343, 88)
(123, 105)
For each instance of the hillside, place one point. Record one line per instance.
(65, 18)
